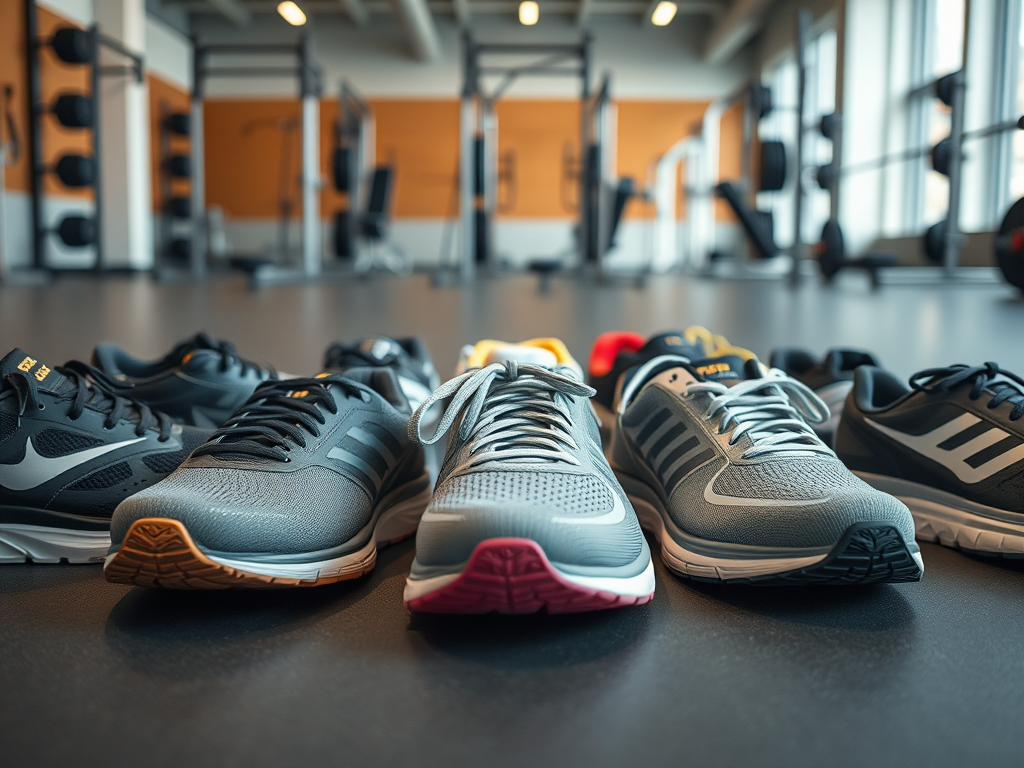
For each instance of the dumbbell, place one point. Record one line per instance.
(75, 231)
(179, 166)
(179, 207)
(73, 110)
(179, 123)
(75, 171)
(73, 45)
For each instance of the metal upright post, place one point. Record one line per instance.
(803, 33)
(198, 168)
(35, 148)
(312, 257)
(951, 243)
(97, 187)
(585, 171)
(467, 122)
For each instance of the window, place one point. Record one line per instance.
(1017, 167)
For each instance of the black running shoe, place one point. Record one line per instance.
(298, 488)
(202, 381)
(831, 378)
(70, 452)
(950, 446)
(408, 357)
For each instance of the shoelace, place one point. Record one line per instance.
(774, 411)
(512, 411)
(278, 416)
(980, 377)
(341, 356)
(228, 354)
(90, 390)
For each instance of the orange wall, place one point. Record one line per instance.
(164, 98)
(244, 143)
(56, 77)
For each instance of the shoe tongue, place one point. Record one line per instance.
(670, 343)
(522, 353)
(47, 379)
(381, 348)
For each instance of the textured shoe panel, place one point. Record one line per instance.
(231, 510)
(487, 505)
(818, 521)
(50, 443)
(8, 426)
(794, 478)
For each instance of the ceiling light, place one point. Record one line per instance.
(529, 12)
(294, 15)
(663, 13)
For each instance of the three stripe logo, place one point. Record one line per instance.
(366, 452)
(670, 450)
(969, 447)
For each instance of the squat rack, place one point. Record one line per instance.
(310, 77)
(478, 141)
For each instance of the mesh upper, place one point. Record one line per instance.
(165, 463)
(560, 492)
(8, 425)
(789, 478)
(234, 510)
(51, 443)
(105, 478)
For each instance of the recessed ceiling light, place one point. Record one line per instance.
(529, 12)
(291, 13)
(663, 13)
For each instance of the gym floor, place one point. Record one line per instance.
(917, 674)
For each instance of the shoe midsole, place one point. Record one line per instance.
(397, 521)
(942, 500)
(640, 585)
(43, 544)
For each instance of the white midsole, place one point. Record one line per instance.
(640, 585)
(688, 563)
(395, 522)
(40, 544)
(952, 521)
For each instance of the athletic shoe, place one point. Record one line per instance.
(725, 471)
(616, 352)
(70, 451)
(831, 378)
(408, 357)
(527, 514)
(950, 446)
(298, 488)
(202, 381)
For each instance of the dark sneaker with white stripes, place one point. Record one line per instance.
(408, 357)
(299, 488)
(70, 452)
(831, 378)
(722, 466)
(950, 446)
(200, 382)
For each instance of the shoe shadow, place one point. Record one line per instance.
(534, 641)
(30, 577)
(183, 634)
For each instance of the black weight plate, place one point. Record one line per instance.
(934, 242)
(760, 99)
(179, 166)
(76, 231)
(827, 176)
(342, 167)
(73, 110)
(179, 123)
(831, 249)
(830, 125)
(940, 155)
(344, 242)
(180, 248)
(76, 171)
(772, 176)
(1010, 245)
(73, 45)
(944, 89)
(179, 207)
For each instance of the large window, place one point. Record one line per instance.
(1017, 170)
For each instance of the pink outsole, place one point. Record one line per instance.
(514, 576)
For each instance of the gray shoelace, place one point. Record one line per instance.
(512, 412)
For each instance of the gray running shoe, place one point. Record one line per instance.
(297, 489)
(734, 483)
(527, 514)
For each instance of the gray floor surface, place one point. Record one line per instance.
(918, 674)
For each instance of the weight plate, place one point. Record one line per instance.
(73, 110)
(1010, 245)
(179, 123)
(76, 171)
(773, 166)
(940, 155)
(76, 231)
(831, 249)
(830, 125)
(72, 45)
(934, 242)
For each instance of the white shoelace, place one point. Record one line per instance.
(774, 411)
(513, 412)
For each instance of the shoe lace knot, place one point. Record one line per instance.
(982, 378)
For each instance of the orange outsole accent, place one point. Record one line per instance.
(159, 552)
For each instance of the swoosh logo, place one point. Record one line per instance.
(955, 460)
(740, 501)
(34, 470)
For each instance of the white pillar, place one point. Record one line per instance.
(125, 153)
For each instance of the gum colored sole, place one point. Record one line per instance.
(158, 552)
(514, 576)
